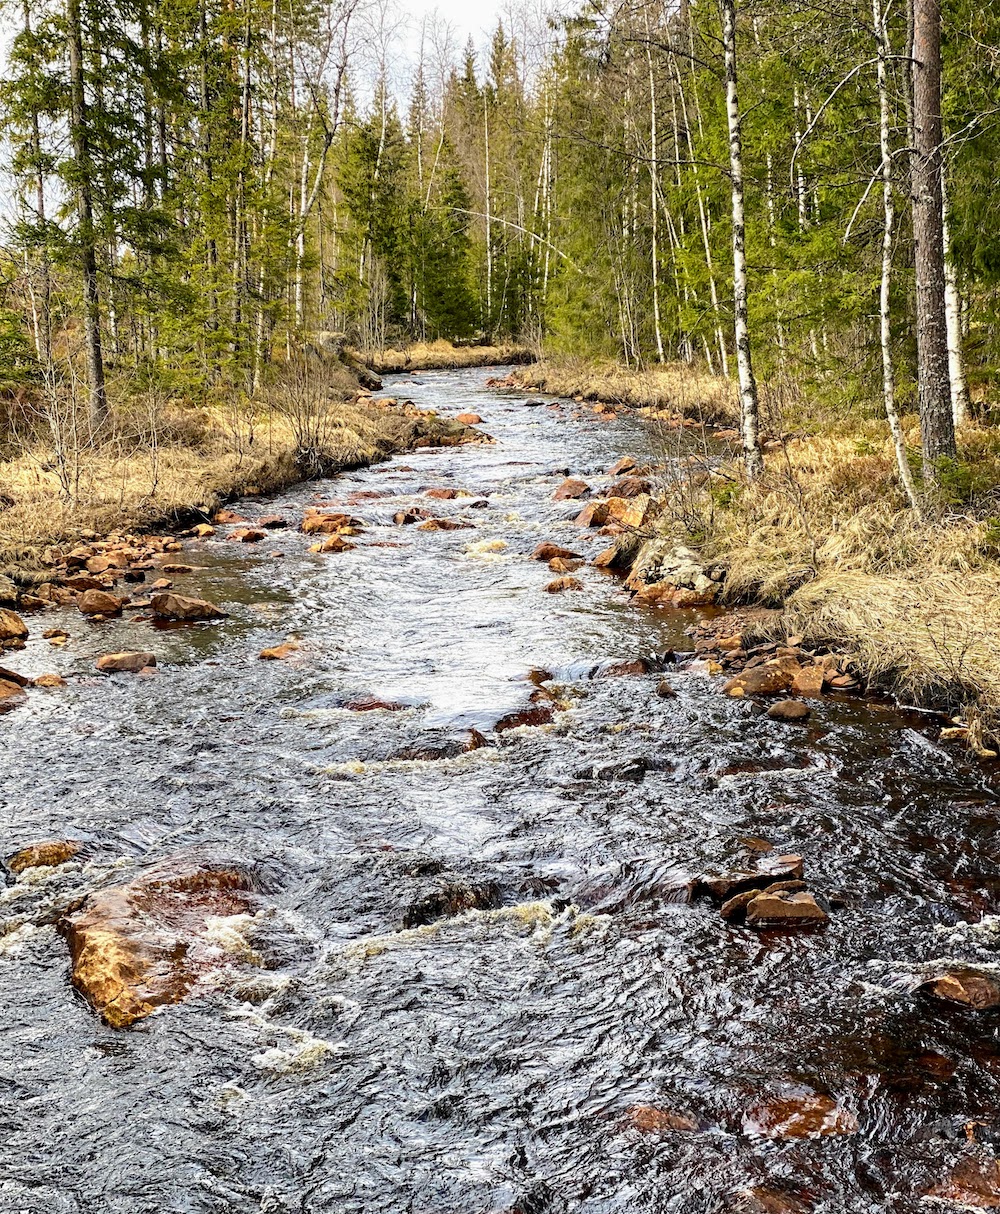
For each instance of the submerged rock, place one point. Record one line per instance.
(559, 584)
(972, 1184)
(548, 551)
(277, 653)
(453, 898)
(812, 1115)
(145, 944)
(47, 853)
(651, 1119)
(131, 663)
(789, 710)
(966, 985)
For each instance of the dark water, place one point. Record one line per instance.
(485, 1062)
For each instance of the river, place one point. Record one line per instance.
(523, 1057)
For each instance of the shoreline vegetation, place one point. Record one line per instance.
(822, 547)
(159, 463)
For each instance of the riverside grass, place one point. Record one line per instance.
(678, 387)
(826, 539)
(204, 458)
(442, 355)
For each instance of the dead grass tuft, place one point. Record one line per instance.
(442, 355)
(677, 387)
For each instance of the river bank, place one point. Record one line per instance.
(179, 463)
(825, 541)
(443, 356)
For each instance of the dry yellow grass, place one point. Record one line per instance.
(442, 355)
(204, 458)
(827, 537)
(680, 388)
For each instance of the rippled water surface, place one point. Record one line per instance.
(491, 1061)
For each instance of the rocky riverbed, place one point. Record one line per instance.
(422, 840)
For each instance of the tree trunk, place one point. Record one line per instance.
(953, 315)
(749, 408)
(937, 430)
(888, 213)
(79, 135)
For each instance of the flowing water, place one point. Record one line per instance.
(503, 1059)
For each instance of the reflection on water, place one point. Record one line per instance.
(492, 1060)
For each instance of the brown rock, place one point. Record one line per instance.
(161, 583)
(784, 909)
(79, 581)
(334, 543)
(539, 714)
(594, 514)
(973, 1183)
(808, 1116)
(48, 853)
(277, 653)
(665, 691)
(788, 710)
(608, 558)
(12, 676)
(444, 524)
(99, 602)
(442, 494)
(315, 523)
(175, 568)
(632, 511)
(571, 489)
(11, 695)
(548, 551)
(625, 464)
(808, 681)
(773, 868)
(12, 627)
(228, 516)
(619, 670)
(50, 680)
(272, 522)
(170, 606)
(650, 1119)
(965, 985)
(249, 535)
(630, 486)
(559, 584)
(374, 704)
(469, 419)
(760, 1200)
(766, 680)
(203, 531)
(559, 564)
(125, 663)
(143, 945)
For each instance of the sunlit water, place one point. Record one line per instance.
(484, 1063)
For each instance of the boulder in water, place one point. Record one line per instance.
(571, 489)
(548, 551)
(452, 898)
(142, 945)
(559, 584)
(789, 710)
(964, 984)
(47, 853)
(972, 1184)
(807, 1115)
(99, 602)
(170, 606)
(127, 663)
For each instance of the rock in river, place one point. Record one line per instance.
(810, 1115)
(789, 710)
(139, 946)
(47, 853)
(972, 1184)
(12, 627)
(548, 551)
(783, 908)
(169, 606)
(129, 663)
(964, 984)
(99, 602)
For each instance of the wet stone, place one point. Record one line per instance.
(452, 898)
(652, 1119)
(972, 1184)
(811, 1115)
(964, 985)
(47, 853)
